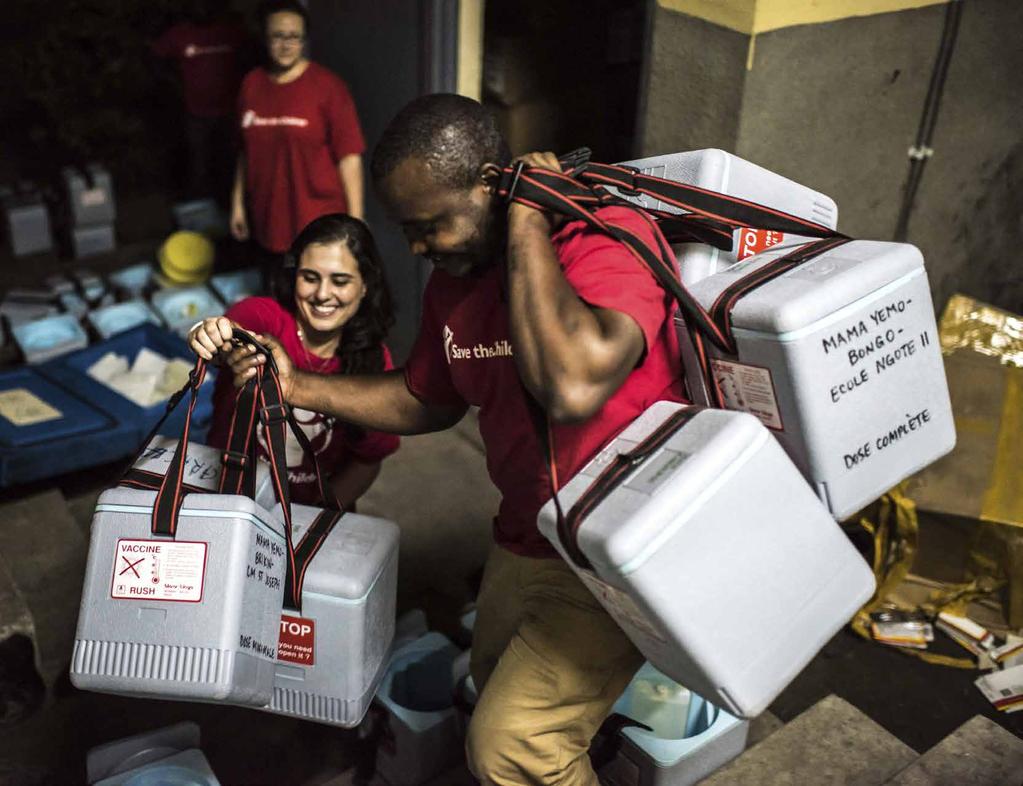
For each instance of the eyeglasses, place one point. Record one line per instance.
(286, 38)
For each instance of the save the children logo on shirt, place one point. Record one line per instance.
(250, 119)
(501, 348)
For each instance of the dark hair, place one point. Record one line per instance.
(452, 134)
(360, 348)
(270, 7)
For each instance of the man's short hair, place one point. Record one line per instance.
(268, 8)
(453, 135)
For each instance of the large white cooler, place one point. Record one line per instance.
(716, 170)
(840, 358)
(191, 617)
(715, 556)
(332, 655)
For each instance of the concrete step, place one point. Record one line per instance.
(978, 753)
(831, 744)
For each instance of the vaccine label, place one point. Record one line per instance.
(748, 389)
(159, 570)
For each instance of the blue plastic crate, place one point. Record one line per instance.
(71, 371)
(46, 430)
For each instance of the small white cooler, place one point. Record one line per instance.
(714, 555)
(194, 616)
(840, 358)
(332, 655)
(716, 170)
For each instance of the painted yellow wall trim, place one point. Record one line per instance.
(759, 16)
(470, 48)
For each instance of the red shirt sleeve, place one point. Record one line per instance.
(427, 373)
(343, 130)
(605, 274)
(259, 315)
(376, 445)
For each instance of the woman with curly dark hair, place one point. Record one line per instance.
(331, 315)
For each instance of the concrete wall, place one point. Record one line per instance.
(836, 105)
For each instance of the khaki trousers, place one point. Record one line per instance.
(549, 663)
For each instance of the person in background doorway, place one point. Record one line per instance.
(331, 316)
(208, 49)
(301, 154)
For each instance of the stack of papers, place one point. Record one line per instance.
(150, 380)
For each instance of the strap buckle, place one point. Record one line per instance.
(272, 414)
(234, 459)
(630, 190)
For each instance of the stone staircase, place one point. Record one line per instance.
(834, 744)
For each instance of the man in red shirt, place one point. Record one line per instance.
(208, 49)
(513, 308)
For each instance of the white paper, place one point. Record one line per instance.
(150, 380)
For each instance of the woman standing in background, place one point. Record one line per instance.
(301, 153)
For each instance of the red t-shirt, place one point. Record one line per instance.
(334, 442)
(294, 136)
(209, 59)
(463, 355)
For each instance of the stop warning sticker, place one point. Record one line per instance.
(296, 641)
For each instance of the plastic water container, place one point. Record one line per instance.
(165, 757)
(87, 241)
(232, 287)
(690, 738)
(28, 223)
(46, 430)
(716, 170)
(111, 320)
(193, 617)
(714, 555)
(840, 358)
(48, 338)
(180, 308)
(188, 768)
(132, 281)
(71, 372)
(416, 693)
(90, 203)
(332, 656)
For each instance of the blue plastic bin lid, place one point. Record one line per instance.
(33, 410)
(183, 305)
(45, 334)
(134, 278)
(119, 317)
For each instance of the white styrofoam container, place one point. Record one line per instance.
(332, 656)
(423, 739)
(111, 320)
(716, 170)
(705, 739)
(90, 204)
(202, 467)
(715, 557)
(840, 358)
(90, 240)
(50, 337)
(195, 617)
(28, 224)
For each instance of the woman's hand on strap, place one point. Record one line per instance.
(244, 360)
(209, 337)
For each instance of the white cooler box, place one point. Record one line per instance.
(332, 655)
(716, 557)
(192, 617)
(840, 359)
(201, 473)
(716, 170)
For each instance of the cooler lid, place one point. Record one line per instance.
(34, 410)
(348, 564)
(667, 490)
(815, 290)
